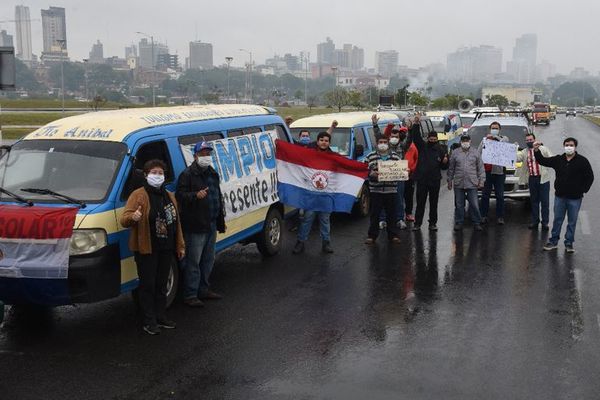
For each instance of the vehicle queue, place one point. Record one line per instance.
(150, 173)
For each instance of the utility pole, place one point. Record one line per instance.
(248, 75)
(62, 43)
(85, 75)
(228, 60)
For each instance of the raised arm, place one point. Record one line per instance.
(334, 125)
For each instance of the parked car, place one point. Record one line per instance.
(571, 112)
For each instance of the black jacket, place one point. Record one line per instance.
(573, 178)
(195, 214)
(431, 158)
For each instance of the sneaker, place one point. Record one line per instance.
(545, 228)
(416, 228)
(410, 218)
(401, 224)
(458, 227)
(382, 224)
(550, 246)
(210, 295)
(369, 241)
(500, 221)
(326, 247)
(193, 302)
(484, 220)
(478, 227)
(395, 240)
(298, 248)
(166, 324)
(151, 329)
(569, 248)
(433, 227)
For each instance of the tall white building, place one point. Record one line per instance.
(386, 63)
(524, 61)
(23, 34)
(474, 64)
(146, 51)
(201, 55)
(54, 26)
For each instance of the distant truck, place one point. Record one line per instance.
(541, 113)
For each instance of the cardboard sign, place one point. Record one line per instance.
(392, 171)
(499, 153)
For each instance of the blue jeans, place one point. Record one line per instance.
(306, 223)
(459, 206)
(399, 204)
(497, 181)
(539, 194)
(563, 206)
(198, 262)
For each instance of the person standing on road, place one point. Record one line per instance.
(308, 216)
(202, 216)
(156, 236)
(574, 177)
(495, 176)
(433, 158)
(466, 174)
(537, 178)
(383, 194)
(412, 156)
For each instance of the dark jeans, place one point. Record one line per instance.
(409, 195)
(570, 208)
(497, 181)
(539, 194)
(380, 202)
(459, 206)
(426, 189)
(153, 272)
(399, 204)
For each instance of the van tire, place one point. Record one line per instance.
(269, 239)
(172, 286)
(362, 206)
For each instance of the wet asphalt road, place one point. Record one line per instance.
(444, 315)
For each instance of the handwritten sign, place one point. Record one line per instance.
(392, 171)
(499, 153)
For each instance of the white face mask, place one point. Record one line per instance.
(383, 147)
(394, 141)
(569, 150)
(204, 161)
(155, 180)
(495, 132)
(465, 145)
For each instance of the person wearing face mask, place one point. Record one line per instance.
(433, 158)
(202, 216)
(495, 176)
(574, 177)
(304, 139)
(383, 194)
(156, 236)
(537, 177)
(465, 174)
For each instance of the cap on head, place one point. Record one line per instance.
(204, 145)
(432, 134)
(465, 138)
(403, 129)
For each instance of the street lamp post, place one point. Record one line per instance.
(153, 67)
(85, 75)
(248, 74)
(228, 60)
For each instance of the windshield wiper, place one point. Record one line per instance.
(57, 195)
(16, 197)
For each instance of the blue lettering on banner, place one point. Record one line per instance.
(229, 161)
(255, 148)
(246, 153)
(267, 149)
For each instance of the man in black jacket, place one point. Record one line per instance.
(574, 177)
(202, 215)
(432, 159)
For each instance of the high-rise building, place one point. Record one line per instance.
(97, 53)
(201, 55)
(544, 71)
(325, 52)
(167, 61)
(23, 33)
(474, 64)
(54, 26)
(147, 49)
(386, 63)
(131, 51)
(357, 61)
(6, 40)
(524, 61)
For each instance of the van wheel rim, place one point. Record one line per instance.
(274, 231)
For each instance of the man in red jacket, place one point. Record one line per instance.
(412, 155)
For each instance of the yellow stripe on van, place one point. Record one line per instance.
(115, 125)
(128, 270)
(105, 220)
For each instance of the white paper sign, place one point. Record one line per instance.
(499, 153)
(392, 171)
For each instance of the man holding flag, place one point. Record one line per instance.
(319, 182)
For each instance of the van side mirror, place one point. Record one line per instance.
(4, 150)
(359, 150)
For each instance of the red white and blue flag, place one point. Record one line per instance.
(318, 181)
(34, 241)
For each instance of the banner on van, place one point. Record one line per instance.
(34, 241)
(247, 167)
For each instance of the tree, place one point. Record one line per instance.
(441, 103)
(402, 96)
(97, 102)
(417, 99)
(74, 75)
(25, 78)
(312, 102)
(339, 97)
(573, 94)
(299, 94)
(496, 100)
(356, 99)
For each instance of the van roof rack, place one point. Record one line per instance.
(523, 113)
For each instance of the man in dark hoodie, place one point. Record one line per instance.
(202, 215)
(432, 159)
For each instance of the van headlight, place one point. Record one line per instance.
(85, 241)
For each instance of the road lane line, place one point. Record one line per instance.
(584, 220)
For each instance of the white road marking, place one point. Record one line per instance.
(584, 222)
(578, 275)
(598, 319)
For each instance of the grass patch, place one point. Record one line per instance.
(595, 120)
(15, 133)
(301, 112)
(26, 118)
(51, 103)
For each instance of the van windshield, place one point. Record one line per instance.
(515, 134)
(340, 139)
(82, 169)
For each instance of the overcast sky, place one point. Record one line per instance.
(423, 31)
